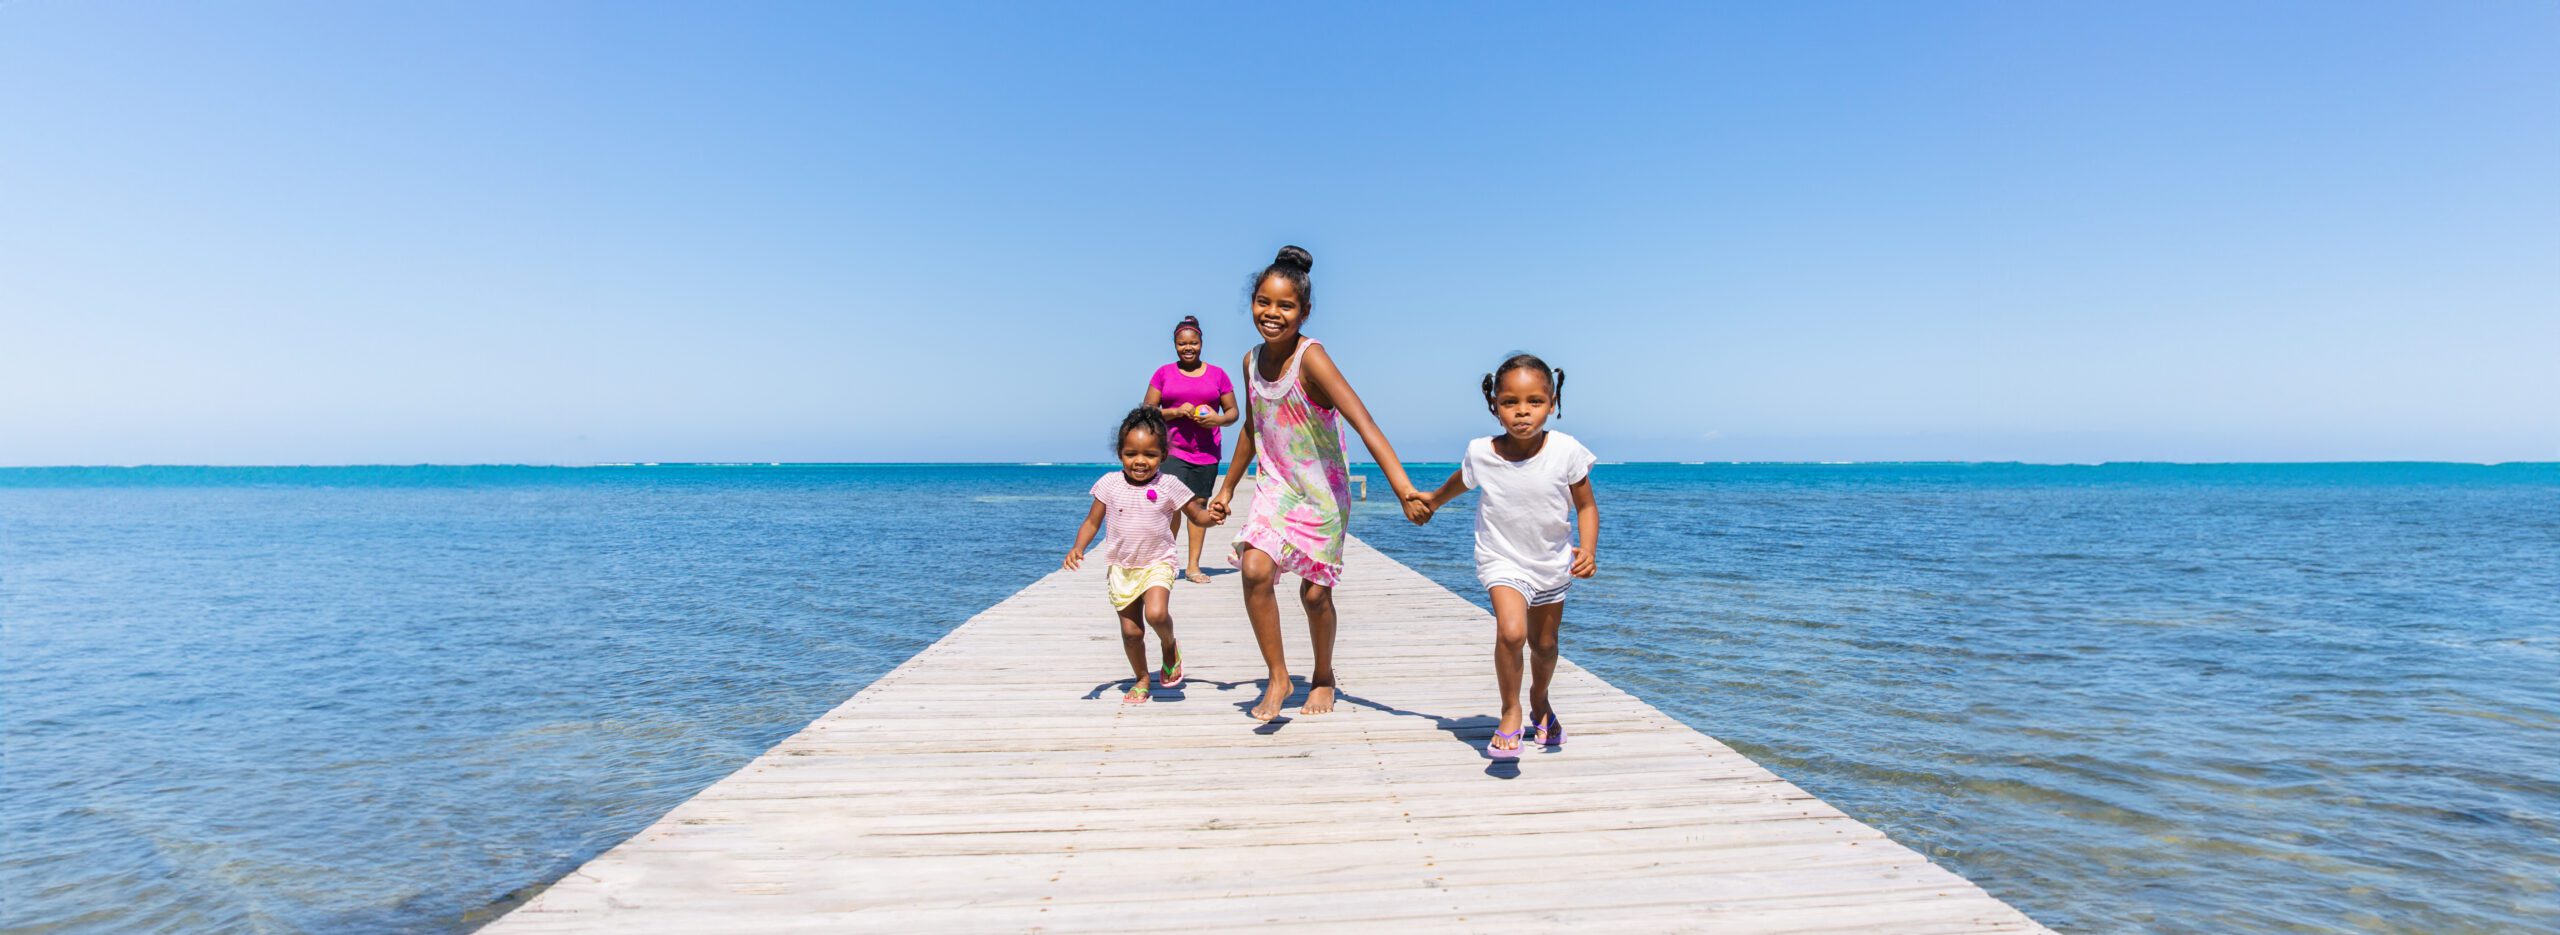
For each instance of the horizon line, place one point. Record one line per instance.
(1629, 463)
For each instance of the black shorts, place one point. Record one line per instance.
(1201, 478)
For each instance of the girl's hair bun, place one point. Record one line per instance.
(1291, 266)
(1189, 323)
(1295, 256)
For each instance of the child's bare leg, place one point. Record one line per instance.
(1510, 630)
(1133, 639)
(1546, 625)
(1263, 609)
(1159, 605)
(1318, 601)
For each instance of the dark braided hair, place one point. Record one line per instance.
(1555, 379)
(1292, 265)
(1188, 321)
(1143, 417)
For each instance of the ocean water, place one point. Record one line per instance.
(2123, 697)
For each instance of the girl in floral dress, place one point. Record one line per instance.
(1295, 402)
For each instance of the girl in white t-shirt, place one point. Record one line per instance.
(1536, 530)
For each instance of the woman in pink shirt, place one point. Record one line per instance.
(1196, 399)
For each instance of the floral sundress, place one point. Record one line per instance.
(1297, 516)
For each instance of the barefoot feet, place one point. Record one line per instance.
(1319, 696)
(1275, 693)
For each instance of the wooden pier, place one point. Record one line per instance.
(996, 783)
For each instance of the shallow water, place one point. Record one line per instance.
(2248, 698)
(381, 699)
(2209, 698)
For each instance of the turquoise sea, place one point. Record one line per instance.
(2234, 698)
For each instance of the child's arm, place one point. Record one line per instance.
(1586, 517)
(1197, 510)
(1235, 467)
(1450, 489)
(1327, 388)
(1235, 473)
(1430, 503)
(1084, 537)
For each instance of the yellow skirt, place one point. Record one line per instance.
(1130, 584)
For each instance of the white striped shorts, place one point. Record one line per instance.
(1537, 598)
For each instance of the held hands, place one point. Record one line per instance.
(1586, 562)
(1218, 509)
(1418, 507)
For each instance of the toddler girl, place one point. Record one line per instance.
(1141, 502)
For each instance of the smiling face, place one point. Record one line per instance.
(1186, 348)
(1522, 401)
(1141, 452)
(1277, 312)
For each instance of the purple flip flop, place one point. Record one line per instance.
(1499, 753)
(1551, 731)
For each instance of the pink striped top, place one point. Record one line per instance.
(1139, 519)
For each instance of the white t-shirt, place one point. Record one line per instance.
(1524, 527)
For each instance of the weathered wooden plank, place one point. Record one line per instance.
(994, 782)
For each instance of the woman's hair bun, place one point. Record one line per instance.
(1297, 256)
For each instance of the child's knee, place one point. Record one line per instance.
(1131, 630)
(1313, 594)
(1511, 636)
(1543, 643)
(1160, 617)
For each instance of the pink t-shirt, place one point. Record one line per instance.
(1193, 441)
(1140, 519)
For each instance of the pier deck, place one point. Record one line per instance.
(996, 783)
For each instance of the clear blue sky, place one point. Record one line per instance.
(549, 232)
